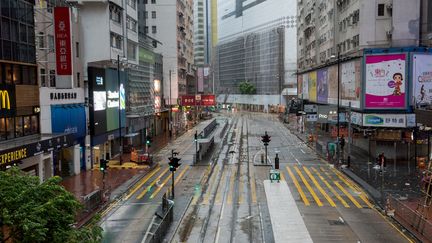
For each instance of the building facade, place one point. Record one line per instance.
(109, 30)
(261, 50)
(21, 142)
(171, 23)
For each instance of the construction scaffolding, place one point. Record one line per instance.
(256, 57)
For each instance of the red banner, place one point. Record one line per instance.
(208, 100)
(62, 40)
(191, 100)
(188, 100)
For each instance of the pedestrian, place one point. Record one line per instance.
(382, 162)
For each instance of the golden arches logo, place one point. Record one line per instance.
(5, 101)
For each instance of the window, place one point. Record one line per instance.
(10, 128)
(154, 31)
(42, 74)
(34, 124)
(116, 41)
(429, 14)
(131, 52)
(51, 42)
(8, 73)
(132, 3)
(154, 44)
(146, 30)
(41, 40)
(27, 126)
(115, 14)
(153, 14)
(3, 133)
(19, 132)
(78, 79)
(16, 77)
(153, 1)
(77, 49)
(381, 8)
(52, 78)
(146, 15)
(131, 24)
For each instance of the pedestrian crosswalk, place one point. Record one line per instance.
(323, 186)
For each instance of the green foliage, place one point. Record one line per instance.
(247, 88)
(39, 212)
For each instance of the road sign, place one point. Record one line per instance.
(274, 175)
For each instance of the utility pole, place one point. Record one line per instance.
(196, 146)
(338, 109)
(170, 108)
(349, 135)
(119, 112)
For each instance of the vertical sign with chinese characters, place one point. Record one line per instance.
(62, 40)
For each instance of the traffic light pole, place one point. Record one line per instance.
(265, 145)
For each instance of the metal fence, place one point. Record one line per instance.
(209, 129)
(160, 223)
(411, 219)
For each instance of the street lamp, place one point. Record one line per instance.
(123, 59)
(338, 104)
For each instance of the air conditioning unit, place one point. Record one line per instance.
(389, 34)
(389, 6)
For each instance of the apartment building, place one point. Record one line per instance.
(201, 53)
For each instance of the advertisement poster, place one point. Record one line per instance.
(332, 84)
(305, 86)
(350, 83)
(422, 80)
(322, 86)
(384, 120)
(299, 85)
(313, 86)
(385, 81)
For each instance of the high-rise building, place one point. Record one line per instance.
(426, 23)
(61, 91)
(260, 50)
(201, 34)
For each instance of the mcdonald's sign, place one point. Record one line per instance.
(7, 100)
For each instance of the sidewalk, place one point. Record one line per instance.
(399, 182)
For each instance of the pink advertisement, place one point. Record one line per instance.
(385, 81)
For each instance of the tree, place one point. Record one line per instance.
(247, 88)
(39, 212)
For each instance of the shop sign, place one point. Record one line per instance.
(7, 99)
(310, 108)
(63, 95)
(312, 117)
(357, 118)
(411, 120)
(332, 117)
(62, 40)
(10, 156)
(208, 100)
(323, 113)
(384, 120)
(187, 100)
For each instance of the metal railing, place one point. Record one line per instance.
(412, 220)
(208, 129)
(160, 223)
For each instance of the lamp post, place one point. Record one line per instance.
(119, 109)
(338, 106)
(170, 108)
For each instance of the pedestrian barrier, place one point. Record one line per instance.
(208, 129)
(160, 223)
(410, 219)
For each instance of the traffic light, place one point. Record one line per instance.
(265, 139)
(173, 163)
(148, 140)
(103, 165)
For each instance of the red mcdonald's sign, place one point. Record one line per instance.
(62, 40)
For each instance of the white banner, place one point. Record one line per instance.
(385, 120)
(422, 79)
(357, 118)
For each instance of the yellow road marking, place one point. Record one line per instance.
(362, 195)
(253, 186)
(331, 189)
(348, 194)
(166, 180)
(332, 203)
(317, 200)
(297, 185)
(221, 187)
(143, 181)
(240, 190)
(211, 185)
(151, 184)
(231, 185)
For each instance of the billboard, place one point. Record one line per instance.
(299, 85)
(385, 81)
(385, 120)
(70, 118)
(350, 83)
(312, 86)
(108, 100)
(305, 92)
(332, 84)
(422, 80)
(62, 40)
(322, 86)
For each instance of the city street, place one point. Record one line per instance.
(232, 205)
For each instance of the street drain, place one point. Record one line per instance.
(336, 222)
